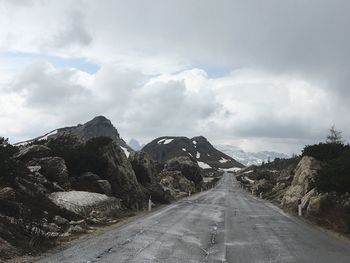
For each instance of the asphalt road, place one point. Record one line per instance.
(225, 224)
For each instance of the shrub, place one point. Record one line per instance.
(335, 175)
(9, 168)
(325, 151)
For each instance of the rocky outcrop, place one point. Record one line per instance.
(91, 182)
(302, 182)
(187, 166)
(99, 126)
(271, 179)
(144, 167)
(331, 210)
(54, 169)
(163, 149)
(121, 176)
(26, 154)
(176, 184)
(147, 170)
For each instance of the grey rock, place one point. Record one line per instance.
(302, 182)
(122, 177)
(174, 182)
(91, 182)
(105, 187)
(144, 167)
(31, 152)
(8, 194)
(76, 230)
(34, 169)
(51, 227)
(54, 169)
(99, 126)
(60, 221)
(82, 203)
(187, 167)
(89, 176)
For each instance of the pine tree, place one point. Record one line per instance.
(334, 136)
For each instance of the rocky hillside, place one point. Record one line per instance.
(198, 148)
(320, 183)
(65, 183)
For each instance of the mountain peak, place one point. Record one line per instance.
(198, 148)
(99, 126)
(99, 120)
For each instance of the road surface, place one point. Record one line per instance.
(225, 224)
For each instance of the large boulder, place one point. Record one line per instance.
(175, 183)
(144, 167)
(121, 176)
(159, 194)
(316, 204)
(34, 151)
(302, 183)
(83, 203)
(187, 167)
(91, 182)
(54, 169)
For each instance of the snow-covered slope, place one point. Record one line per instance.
(250, 158)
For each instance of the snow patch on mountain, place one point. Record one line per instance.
(204, 165)
(223, 160)
(165, 141)
(126, 152)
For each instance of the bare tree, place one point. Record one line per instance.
(334, 136)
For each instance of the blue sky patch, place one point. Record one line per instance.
(81, 64)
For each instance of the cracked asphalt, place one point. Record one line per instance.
(224, 224)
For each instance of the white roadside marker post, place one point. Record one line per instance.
(299, 210)
(260, 195)
(149, 204)
(189, 193)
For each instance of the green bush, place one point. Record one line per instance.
(334, 174)
(81, 158)
(9, 168)
(325, 151)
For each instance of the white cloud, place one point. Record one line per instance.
(288, 61)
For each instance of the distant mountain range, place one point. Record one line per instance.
(135, 145)
(165, 148)
(197, 148)
(250, 158)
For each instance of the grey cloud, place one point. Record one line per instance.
(42, 85)
(166, 108)
(304, 40)
(309, 38)
(75, 32)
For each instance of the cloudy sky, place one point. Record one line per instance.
(261, 75)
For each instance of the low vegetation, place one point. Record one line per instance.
(335, 156)
(9, 168)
